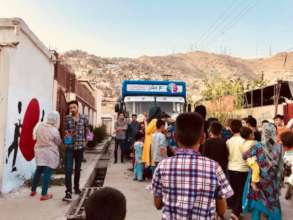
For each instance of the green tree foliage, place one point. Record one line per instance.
(216, 89)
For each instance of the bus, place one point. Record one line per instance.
(138, 96)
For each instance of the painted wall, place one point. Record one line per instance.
(30, 76)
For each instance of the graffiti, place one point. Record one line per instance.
(43, 115)
(14, 145)
(31, 118)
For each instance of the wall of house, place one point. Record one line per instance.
(3, 106)
(31, 76)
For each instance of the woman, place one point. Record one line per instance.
(46, 152)
(265, 200)
(154, 114)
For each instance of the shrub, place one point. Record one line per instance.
(100, 134)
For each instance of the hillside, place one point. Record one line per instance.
(194, 67)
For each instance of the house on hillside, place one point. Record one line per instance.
(26, 95)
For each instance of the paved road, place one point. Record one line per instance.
(139, 200)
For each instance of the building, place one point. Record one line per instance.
(26, 95)
(67, 88)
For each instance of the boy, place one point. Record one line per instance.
(247, 134)
(188, 185)
(215, 146)
(138, 165)
(159, 143)
(237, 168)
(106, 204)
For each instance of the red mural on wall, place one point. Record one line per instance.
(31, 118)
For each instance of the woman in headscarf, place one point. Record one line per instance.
(155, 113)
(46, 152)
(265, 200)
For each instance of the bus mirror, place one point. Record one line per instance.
(189, 108)
(117, 108)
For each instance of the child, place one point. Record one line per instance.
(185, 185)
(247, 134)
(215, 146)
(138, 165)
(237, 168)
(159, 144)
(287, 141)
(106, 204)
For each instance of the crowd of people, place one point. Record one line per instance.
(197, 164)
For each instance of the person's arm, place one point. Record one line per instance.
(221, 206)
(157, 189)
(224, 191)
(163, 146)
(66, 126)
(158, 202)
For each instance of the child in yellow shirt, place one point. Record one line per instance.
(247, 134)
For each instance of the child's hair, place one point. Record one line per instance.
(189, 128)
(216, 128)
(251, 121)
(160, 123)
(235, 126)
(245, 132)
(201, 109)
(139, 136)
(287, 138)
(106, 204)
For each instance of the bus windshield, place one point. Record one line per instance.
(141, 107)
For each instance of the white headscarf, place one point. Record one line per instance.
(53, 119)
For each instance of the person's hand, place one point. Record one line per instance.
(254, 187)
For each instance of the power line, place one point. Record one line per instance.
(228, 15)
(221, 18)
(233, 22)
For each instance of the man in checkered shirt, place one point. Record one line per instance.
(189, 186)
(76, 127)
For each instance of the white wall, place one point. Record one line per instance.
(3, 106)
(30, 76)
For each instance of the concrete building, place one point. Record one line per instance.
(26, 95)
(67, 88)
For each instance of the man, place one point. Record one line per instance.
(134, 127)
(120, 128)
(76, 127)
(188, 185)
(252, 124)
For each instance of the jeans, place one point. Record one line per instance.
(71, 156)
(47, 172)
(120, 143)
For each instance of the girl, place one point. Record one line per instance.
(138, 165)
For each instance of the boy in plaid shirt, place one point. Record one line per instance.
(188, 185)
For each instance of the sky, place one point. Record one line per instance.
(133, 28)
